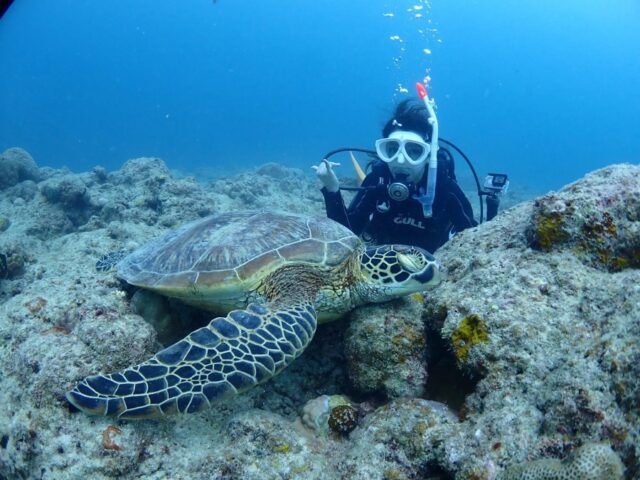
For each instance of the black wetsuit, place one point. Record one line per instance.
(404, 221)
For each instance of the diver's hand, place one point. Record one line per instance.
(327, 176)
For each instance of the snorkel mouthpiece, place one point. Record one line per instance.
(426, 197)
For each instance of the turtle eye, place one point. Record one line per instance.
(412, 261)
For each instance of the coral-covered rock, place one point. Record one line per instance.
(265, 445)
(385, 347)
(597, 218)
(141, 170)
(547, 335)
(16, 165)
(4, 223)
(69, 191)
(25, 190)
(408, 438)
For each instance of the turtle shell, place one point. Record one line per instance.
(224, 256)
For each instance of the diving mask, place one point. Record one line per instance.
(403, 146)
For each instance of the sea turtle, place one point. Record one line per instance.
(276, 274)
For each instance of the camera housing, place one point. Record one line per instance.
(496, 183)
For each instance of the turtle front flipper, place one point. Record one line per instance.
(228, 356)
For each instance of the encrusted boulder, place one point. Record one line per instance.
(141, 170)
(70, 194)
(597, 218)
(69, 191)
(16, 166)
(546, 335)
(385, 346)
(407, 438)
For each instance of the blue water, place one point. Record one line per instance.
(542, 89)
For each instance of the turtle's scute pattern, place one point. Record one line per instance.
(243, 242)
(226, 357)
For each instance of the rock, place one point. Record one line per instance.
(13, 260)
(408, 438)
(265, 445)
(100, 174)
(597, 218)
(328, 413)
(138, 171)
(550, 336)
(5, 223)
(386, 349)
(69, 191)
(16, 165)
(25, 190)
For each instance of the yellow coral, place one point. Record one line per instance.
(418, 297)
(470, 331)
(550, 230)
(282, 448)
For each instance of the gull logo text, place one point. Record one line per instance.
(409, 221)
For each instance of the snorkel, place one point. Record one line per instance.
(426, 198)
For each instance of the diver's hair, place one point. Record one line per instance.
(412, 116)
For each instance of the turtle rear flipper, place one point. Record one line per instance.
(228, 356)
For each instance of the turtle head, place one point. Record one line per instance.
(392, 271)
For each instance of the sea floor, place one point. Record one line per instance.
(523, 363)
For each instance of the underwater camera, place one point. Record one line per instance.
(496, 183)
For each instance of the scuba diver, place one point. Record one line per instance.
(410, 196)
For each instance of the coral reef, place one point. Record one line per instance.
(549, 341)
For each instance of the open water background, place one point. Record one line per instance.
(543, 90)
